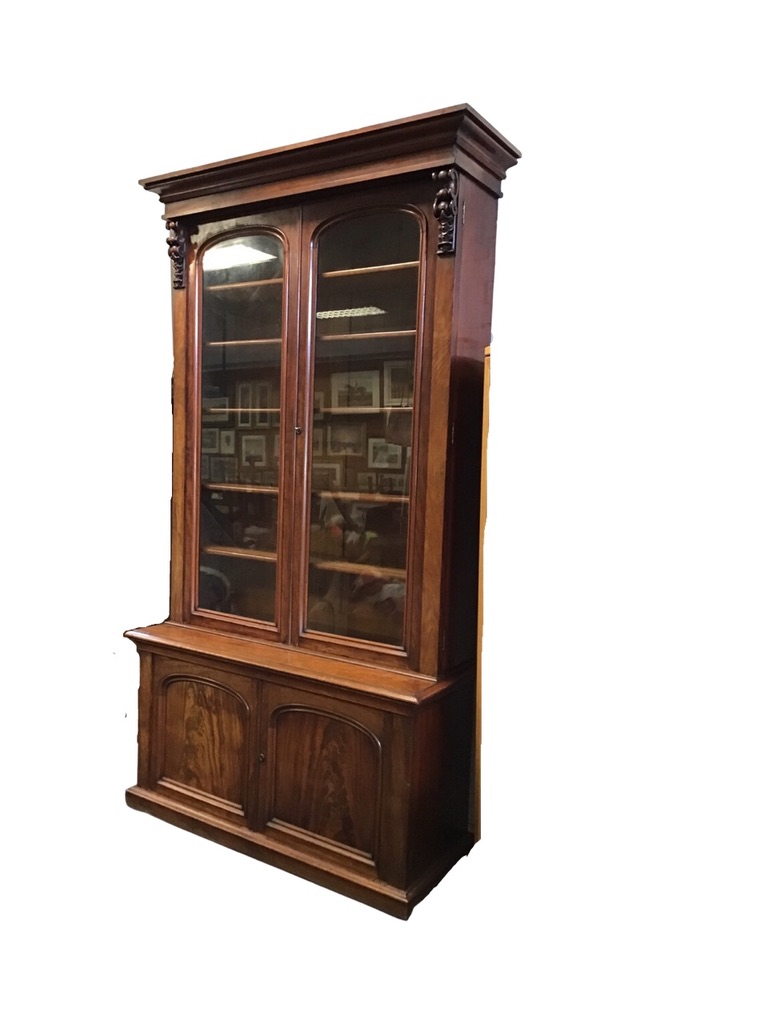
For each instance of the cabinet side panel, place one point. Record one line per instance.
(145, 775)
(440, 783)
(434, 432)
(472, 334)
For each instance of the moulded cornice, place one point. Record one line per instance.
(455, 135)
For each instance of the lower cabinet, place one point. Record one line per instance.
(365, 794)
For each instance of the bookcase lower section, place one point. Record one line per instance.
(362, 789)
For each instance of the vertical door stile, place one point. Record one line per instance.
(295, 443)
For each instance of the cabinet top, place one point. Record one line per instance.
(455, 136)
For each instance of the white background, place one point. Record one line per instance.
(622, 872)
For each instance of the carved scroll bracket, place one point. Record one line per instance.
(445, 206)
(177, 248)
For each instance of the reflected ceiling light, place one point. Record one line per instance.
(224, 257)
(332, 314)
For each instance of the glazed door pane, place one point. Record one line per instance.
(365, 321)
(239, 465)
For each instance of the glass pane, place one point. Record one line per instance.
(364, 349)
(242, 318)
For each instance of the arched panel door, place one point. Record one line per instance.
(205, 732)
(324, 773)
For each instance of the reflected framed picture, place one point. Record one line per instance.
(223, 469)
(383, 455)
(318, 406)
(366, 482)
(205, 468)
(359, 390)
(398, 384)
(227, 442)
(317, 441)
(209, 439)
(261, 412)
(253, 450)
(244, 404)
(215, 410)
(346, 439)
(391, 483)
(326, 476)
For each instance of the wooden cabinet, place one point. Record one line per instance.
(310, 698)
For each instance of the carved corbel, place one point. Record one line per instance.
(177, 248)
(445, 206)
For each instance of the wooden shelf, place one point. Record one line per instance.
(243, 341)
(337, 410)
(244, 408)
(233, 552)
(240, 488)
(242, 284)
(357, 568)
(398, 499)
(382, 268)
(366, 335)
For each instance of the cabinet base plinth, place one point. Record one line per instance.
(345, 881)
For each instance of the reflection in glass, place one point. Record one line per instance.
(364, 346)
(242, 316)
